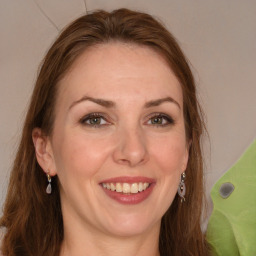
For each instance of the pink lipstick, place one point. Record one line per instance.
(128, 190)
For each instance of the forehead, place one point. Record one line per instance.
(117, 67)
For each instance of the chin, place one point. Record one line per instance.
(126, 226)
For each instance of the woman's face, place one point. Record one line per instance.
(118, 144)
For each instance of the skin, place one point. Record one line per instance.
(129, 140)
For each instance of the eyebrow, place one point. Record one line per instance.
(154, 103)
(111, 104)
(104, 103)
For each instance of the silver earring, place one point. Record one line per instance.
(182, 187)
(49, 187)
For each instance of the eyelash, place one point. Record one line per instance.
(91, 116)
(169, 120)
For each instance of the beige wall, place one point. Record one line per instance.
(217, 36)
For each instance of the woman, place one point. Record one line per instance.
(112, 133)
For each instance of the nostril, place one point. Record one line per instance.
(130, 150)
(124, 161)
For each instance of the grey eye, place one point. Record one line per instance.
(226, 189)
(95, 120)
(157, 120)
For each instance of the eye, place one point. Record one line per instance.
(159, 119)
(94, 120)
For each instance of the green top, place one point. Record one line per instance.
(232, 226)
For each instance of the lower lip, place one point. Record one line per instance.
(130, 198)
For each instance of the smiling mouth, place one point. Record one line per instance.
(126, 188)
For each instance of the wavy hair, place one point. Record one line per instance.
(33, 219)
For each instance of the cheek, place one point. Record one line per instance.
(79, 155)
(170, 154)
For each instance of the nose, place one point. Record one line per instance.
(131, 148)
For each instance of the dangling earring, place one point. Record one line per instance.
(182, 187)
(49, 187)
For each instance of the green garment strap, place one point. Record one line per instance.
(232, 226)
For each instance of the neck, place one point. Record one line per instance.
(80, 242)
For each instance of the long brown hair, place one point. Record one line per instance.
(33, 219)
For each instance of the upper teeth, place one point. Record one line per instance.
(126, 187)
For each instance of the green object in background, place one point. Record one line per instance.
(232, 226)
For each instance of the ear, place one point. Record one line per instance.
(44, 152)
(186, 156)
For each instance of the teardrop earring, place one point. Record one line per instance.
(182, 187)
(49, 187)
